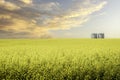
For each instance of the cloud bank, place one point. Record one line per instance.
(33, 18)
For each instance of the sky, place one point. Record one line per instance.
(59, 18)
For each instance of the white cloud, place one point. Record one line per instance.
(74, 17)
(49, 6)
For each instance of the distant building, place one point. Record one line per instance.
(94, 35)
(97, 35)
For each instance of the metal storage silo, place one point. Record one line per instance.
(94, 35)
(101, 35)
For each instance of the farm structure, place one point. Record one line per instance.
(97, 35)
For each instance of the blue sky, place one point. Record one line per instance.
(59, 18)
(107, 21)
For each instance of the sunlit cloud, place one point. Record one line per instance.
(8, 5)
(27, 1)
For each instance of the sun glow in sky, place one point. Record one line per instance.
(59, 18)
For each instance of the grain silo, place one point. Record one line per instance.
(94, 35)
(101, 35)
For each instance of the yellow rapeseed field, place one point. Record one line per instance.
(60, 59)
